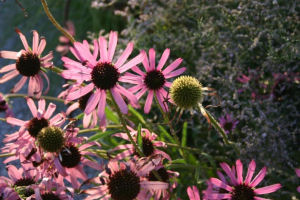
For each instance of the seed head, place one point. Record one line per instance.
(51, 138)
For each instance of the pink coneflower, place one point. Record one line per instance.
(154, 79)
(124, 181)
(228, 123)
(166, 176)
(101, 75)
(148, 144)
(4, 106)
(48, 189)
(23, 142)
(28, 64)
(19, 184)
(237, 188)
(243, 78)
(65, 45)
(71, 159)
(298, 174)
(193, 193)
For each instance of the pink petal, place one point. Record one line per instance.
(86, 120)
(154, 185)
(59, 167)
(96, 49)
(41, 105)
(297, 172)
(32, 107)
(14, 173)
(161, 101)
(47, 80)
(132, 99)
(92, 102)
(50, 110)
(119, 100)
(35, 41)
(152, 59)
(175, 73)
(41, 46)
(137, 70)
(8, 76)
(103, 49)
(148, 101)
(113, 40)
(260, 198)
(19, 84)
(298, 189)
(163, 59)
(220, 184)
(9, 55)
(15, 121)
(23, 39)
(172, 66)
(8, 68)
(218, 196)
(267, 189)
(126, 53)
(239, 170)
(141, 92)
(136, 60)
(260, 176)
(193, 193)
(229, 173)
(80, 92)
(250, 172)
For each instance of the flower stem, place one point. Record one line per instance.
(3, 119)
(97, 129)
(56, 69)
(214, 123)
(55, 23)
(6, 155)
(125, 126)
(8, 96)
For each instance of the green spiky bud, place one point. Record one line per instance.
(186, 92)
(51, 138)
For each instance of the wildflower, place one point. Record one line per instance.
(298, 174)
(23, 142)
(101, 75)
(51, 138)
(193, 193)
(71, 158)
(228, 123)
(20, 184)
(4, 107)
(124, 181)
(237, 188)
(29, 64)
(148, 144)
(65, 45)
(186, 92)
(154, 79)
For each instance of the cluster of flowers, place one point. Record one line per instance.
(53, 158)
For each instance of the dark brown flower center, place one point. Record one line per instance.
(105, 75)
(163, 174)
(242, 192)
(35, 125)
(28, 64)
(147, 147)
(24, 182)
(3, 106)
(124, 185)
(83, 100)
(70, 157)
(50, 196)
(154, 80)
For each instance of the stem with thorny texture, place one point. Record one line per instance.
(55, 23)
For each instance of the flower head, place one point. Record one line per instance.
(100, 75)
(29, 64)
(228, 123)
(186, 92)
(124, 181)
(155, 79)
(238, 188)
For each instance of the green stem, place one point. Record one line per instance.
(56, 69)
(125, 126)
(6, 155)
(97, 129)
(215, 124)
(55, 23)
(3, 119)
(7, 96)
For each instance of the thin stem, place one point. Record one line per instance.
(56, 69)
(3, 119)
(6, 155)
(97, 129)
(25, 95)
(125, 126)
(55, 23)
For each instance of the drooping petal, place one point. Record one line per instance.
(148, 101)
(119, 100)
(19, 84)
(80, 92)
(92, 102)
(8, 76)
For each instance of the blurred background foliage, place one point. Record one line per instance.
(219, 40)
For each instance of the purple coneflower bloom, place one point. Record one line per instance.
(23, 142)
(101, 75)
(28, 64)
(154, 79)
(149, 145)
(228, 123)
(124, 181)
(237, 187)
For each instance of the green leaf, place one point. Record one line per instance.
(164, 134)
(139, 137)
(137, 115)
(111, 116)
(100, 135)
(184, 134)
